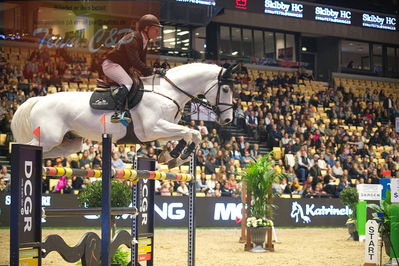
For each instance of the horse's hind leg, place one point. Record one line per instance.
(51, 135)
(67, 147)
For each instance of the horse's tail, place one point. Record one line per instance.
(21, 123)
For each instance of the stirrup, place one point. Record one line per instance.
(115, 118)
(125, 120)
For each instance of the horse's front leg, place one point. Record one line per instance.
(196, 139)
(167, 131)
(191, 147)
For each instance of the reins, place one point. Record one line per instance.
(196, 100)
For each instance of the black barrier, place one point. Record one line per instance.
(144, 250)
(210, 212)
(25, 235)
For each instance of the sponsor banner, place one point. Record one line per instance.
(333, 15)
(285, 9)
(369, 191)
(199, 2)
(379, 21)
(314, 12)
(210, 212)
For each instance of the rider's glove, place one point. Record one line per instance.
(160, 71)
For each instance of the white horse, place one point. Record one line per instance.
(65, 118)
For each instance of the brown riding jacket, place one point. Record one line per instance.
(131, 54)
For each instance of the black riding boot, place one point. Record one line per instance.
(120, 96)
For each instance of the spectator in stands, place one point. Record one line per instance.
(97, 161)
(60, 185)
(239, 117)
(165, 189)
(342, 184)
(214, 136)
(295, 186)
(304, 166)
(202, 128)
(3, 186)
(315, 170)
(182, 189)
(200, 158)
(77, 182)
(243, 69)
(241, 143)
(337, 170)
(210, 166)
(85, 162)
(235, 153)
(68, 189)
(254, 152)
(117, 162)
(259, 82)
(202, 185)
(246, 159)
(4, 175)
(130, 155)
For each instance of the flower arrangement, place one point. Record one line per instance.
(262, 222)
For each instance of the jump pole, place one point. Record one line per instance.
(26, 163)
(106, 200)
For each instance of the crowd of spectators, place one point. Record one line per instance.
(319, 156)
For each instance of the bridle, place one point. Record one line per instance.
(222, 80)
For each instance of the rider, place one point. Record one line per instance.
(126, 55)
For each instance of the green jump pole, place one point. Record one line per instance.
(395, 232)
(361, 219)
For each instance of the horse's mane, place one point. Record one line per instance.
(194, 65)
(149, 79)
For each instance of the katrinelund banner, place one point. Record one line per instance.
(210, 212)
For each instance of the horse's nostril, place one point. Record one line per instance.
(227, 120)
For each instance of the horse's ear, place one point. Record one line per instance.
(230, 70)
(235, 68)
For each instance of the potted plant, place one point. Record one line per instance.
(121, 195)
(350, 198)
(259, 177)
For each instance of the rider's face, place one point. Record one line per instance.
(153, 32)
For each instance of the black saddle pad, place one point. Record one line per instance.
(102, 99)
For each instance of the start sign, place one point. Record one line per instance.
(371, 243)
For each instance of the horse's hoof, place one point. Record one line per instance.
(178, 149)
(188, 151)
(175, 153)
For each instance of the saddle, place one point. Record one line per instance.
(102, 99)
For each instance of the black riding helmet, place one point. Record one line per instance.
(147, 20)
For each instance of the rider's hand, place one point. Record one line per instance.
(160, 71)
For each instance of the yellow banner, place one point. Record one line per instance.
(145, 249)
(29, 262)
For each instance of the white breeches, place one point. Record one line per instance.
(115, 72)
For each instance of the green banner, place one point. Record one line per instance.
(395, 230)
(361, 217)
